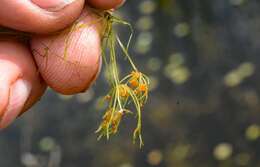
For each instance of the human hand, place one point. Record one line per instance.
(21, 85)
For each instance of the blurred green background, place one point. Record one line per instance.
(204, 108)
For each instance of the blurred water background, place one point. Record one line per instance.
(204, 109)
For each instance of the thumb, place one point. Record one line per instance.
(39, 16)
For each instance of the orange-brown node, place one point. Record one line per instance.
(134, 82)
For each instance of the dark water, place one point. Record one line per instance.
(204, 107)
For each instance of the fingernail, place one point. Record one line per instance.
(19, 93)
(121, 4)
(52, 5)
(99, 67)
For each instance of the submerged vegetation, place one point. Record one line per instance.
(132, 89)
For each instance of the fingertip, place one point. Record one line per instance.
(76, 70)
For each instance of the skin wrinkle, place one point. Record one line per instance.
(46, 51)
(77, 47)
(79, 62)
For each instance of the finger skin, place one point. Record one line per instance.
(16, 63)
(19, 92)
(69, 62)
(105, 4)
(23, 15)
